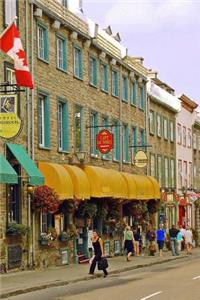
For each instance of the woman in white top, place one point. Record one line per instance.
(188, 240)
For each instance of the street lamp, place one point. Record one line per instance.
(81, 156)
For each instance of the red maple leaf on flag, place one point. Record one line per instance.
(21, 55)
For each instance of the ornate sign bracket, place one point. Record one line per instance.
(10, 88)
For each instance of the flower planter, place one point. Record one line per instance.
(63, 239)
(43, 242)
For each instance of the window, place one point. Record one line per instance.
(116, 149)
(179, 134)
(43, 43)
(158, 123)
(63, 131)
(172, 171)
(165, 128)
(141, 137)
(194, 141)
(185, 183)
(133, 94)
(78, 62)
(61, 53)
(11, 11)
(78, 127)
(134, 141)
(184, 136)
(190, 174)
(189, 138)
(199, 142)
(125, 88)
(93, 71)
(125, 143)
(93, 132)
(171, 130)
(115, 83)
(195, 175)
(151, 122)
(166, 162)
(142, 98)
(152, 165)
(180, 172)
(46, 221)
(10, 75)
(104, 77)
(159, 169)
(106, 123)
(65, 3)
(44, 120)
(14, 202)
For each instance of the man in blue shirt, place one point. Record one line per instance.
(160, 234)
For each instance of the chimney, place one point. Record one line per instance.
(117, 37)
(153, 74)
(108, 30)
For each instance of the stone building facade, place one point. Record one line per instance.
(163, 107)
(84, 81)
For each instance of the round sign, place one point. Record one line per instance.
(141, 159)
(104, 141)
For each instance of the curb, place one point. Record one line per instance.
(66, 282)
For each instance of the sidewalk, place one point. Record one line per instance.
(26, 281)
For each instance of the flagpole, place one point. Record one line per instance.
(7, 28)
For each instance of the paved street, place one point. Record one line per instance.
(173, 280)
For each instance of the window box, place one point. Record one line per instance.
(43, 242)
(16, 229)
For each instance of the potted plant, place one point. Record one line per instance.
(63, 236)
(45, 238)
(45, 199)
(14, 228)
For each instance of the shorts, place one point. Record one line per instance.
(160, 245)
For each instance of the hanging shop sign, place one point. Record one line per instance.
(104, 141)
(9, 121)
(140, 160)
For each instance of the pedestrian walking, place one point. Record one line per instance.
(97, 244)
(188, 240)
(151, 236)
(179, 240)
(183, 230)
(128, 242)
(137, 238)
(173, 242)
(160, 234)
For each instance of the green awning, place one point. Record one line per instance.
(7, 173)
(35, 177)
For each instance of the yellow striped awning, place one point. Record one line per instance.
(80, 182)
(57, 177)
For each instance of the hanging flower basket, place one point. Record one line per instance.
(43, 242)
(45, 199)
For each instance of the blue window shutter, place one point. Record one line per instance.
(96, 130)
(127, 145)
(65, 127)
(82, 129)
(80, 64)
(46, 44)
(47, 122)
(95, 70)
(126, 89)
(106, 77)
(116, 84)
(64, 55)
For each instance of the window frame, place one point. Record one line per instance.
(152, 128)
(159, 169)
(158, 117)
(179, 134)
(125, 88)
(171, 131)
(142, 97)
(94, 118)
(184, 137)
(81, 111)
(104, 77)
(45, 56)
(165, 128)
(153, 174)
(46, 130)
(78, 75)
(166, 159)
(93, 74)
(133, 86)
(115, 83)
(125, 149)
(64, 54)
(16, 14)
(65, 125)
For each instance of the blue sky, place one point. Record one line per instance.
(165, 32)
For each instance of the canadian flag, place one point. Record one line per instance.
(10, 43)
